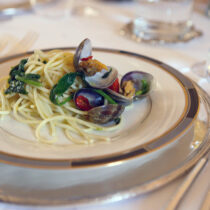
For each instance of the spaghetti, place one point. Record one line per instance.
(37, 110)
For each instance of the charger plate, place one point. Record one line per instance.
(149, 150)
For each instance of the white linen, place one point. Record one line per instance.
(58, 26)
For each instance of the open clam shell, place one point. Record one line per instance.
(138, 78)
(106, 113)
(100, 80)
(84, 50)
(93, 99)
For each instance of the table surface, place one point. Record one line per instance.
(58, 26)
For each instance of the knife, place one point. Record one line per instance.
(181, 192)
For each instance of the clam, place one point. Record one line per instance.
(87, 99)
(134, 85)
(119, 98)
(106, 113)
(96, 74)
(84, 50)
(140, 82)
(100, 80)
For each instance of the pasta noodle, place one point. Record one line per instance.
(36, 109)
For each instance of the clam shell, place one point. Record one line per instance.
(93, 97)
(106, 113)
(84, 50)
(99, 81)
(136, 77)
(119, 98)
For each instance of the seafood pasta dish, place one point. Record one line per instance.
(73, 92)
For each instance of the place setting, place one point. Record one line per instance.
(84, 125)
(108, 158)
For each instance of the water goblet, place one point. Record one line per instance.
(84, 8)
(163, 21)
(202, 69)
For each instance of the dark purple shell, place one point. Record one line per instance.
(106, 113)
(136, 77)
(94, 98)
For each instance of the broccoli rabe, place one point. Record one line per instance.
(18, 79)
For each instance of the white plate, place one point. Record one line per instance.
(148, 125)
(142, 168)
(111, 183)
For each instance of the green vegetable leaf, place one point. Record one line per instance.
(117, 120)
(60, 103)
(16, 86)
(18, 70)
(65, 82)
(61, 87)
(145, 88)
(31, 79)
(18, 79)
(106, 96)
(32, 76)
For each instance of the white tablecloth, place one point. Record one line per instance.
(58, 27)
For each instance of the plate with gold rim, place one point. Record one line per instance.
(148, 125)
(176, 137)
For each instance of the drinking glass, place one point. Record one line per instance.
(84, 8)
(208, 9)
(163, 21)
(202, 69)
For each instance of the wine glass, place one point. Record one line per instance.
(84, 8)
(202, 69)
(54, 9)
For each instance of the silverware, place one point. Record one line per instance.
(12, 45)
(208, 10)
(206, 201)
(181, 192)
(24, 44)
(3, 43)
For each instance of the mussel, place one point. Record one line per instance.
(97, 75)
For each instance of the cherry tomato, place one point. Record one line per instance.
(115, 86)
(83, 103)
